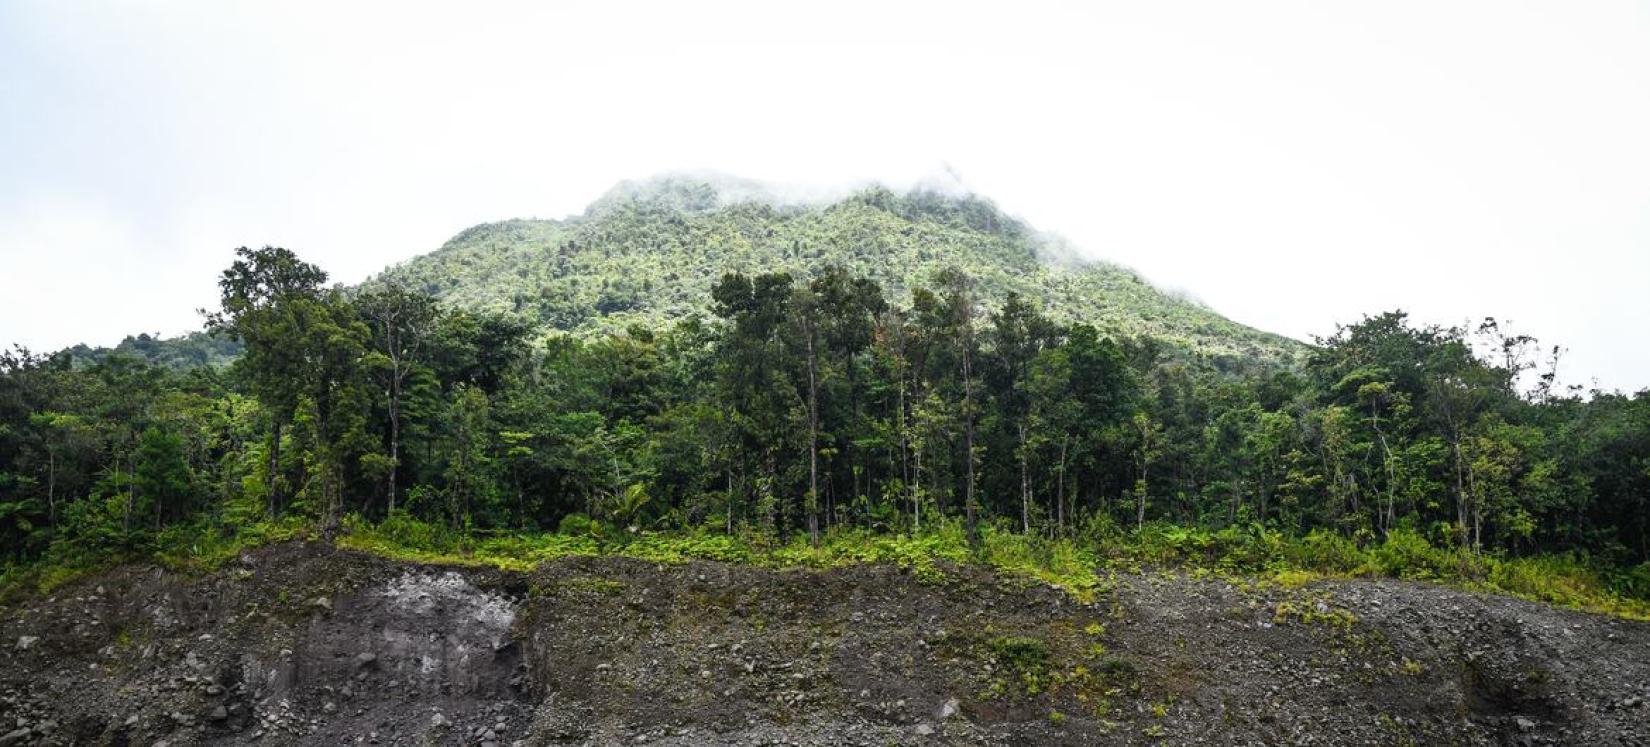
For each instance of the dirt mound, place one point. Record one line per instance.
(302, 644)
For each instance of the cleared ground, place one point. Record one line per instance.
(299, 643)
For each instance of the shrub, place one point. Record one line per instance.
(1251, 548)
(1633, 583)
(575, 524)
(1327, 552)
(1406, 554)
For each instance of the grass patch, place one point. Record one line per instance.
(1082, 565)
(1292, 562)
(1061, 563)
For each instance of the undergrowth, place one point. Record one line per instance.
(1081, 564)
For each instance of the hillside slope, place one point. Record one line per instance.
(649, 252)
(304, 644)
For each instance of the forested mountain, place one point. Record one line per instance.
(913, 366)
(649, 252)
(193, 350)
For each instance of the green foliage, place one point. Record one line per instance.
(194, 350)
(650, 253)
(832, 409)
(1022, 659)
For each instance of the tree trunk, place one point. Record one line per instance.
(968, 430)
(1140, 498)
(1060, 487)
(51, 487)
(905, 451)
(916, 492)
(274, 475)
(1025, 485)
(1387, 514)
(813, 437)
(395, 434)
(1460, 494)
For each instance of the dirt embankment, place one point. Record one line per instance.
(302, 644)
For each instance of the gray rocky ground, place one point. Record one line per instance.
(302, 644)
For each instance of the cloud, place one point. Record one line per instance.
(1293, 166)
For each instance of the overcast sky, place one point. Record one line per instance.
(1290, 164)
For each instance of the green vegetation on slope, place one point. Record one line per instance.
(650, 252)
(822, 411)
(1081, 564)
(194, 350)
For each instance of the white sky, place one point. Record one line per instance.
(1292, 164)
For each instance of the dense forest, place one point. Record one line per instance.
(802, 406)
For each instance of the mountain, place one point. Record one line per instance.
(193, 350)
(648, 252)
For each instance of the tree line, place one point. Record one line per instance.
(798, 405)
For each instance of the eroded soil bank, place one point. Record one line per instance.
(303, 644)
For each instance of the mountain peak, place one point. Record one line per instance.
(703, 191)
(649, 250)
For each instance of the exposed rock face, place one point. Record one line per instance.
(609, 651)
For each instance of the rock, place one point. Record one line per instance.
(949, 709)
(329, 708)
(27, 642)
(924, 730)
(438, 721)
(321, 603)
(365, 659)
(1525, 724)
(16, 736)
(219, 714)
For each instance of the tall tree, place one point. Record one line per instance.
(960, 309)
(401, 323)
(269, 297)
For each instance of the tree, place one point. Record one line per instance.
(269, 298)
(959, 309)
(805, 308)
(1148, 447)
(754, 374)
(1017, 334)
(469, 427)
(401, 323)
(161, 478)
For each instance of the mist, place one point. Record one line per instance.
(1291, 165)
